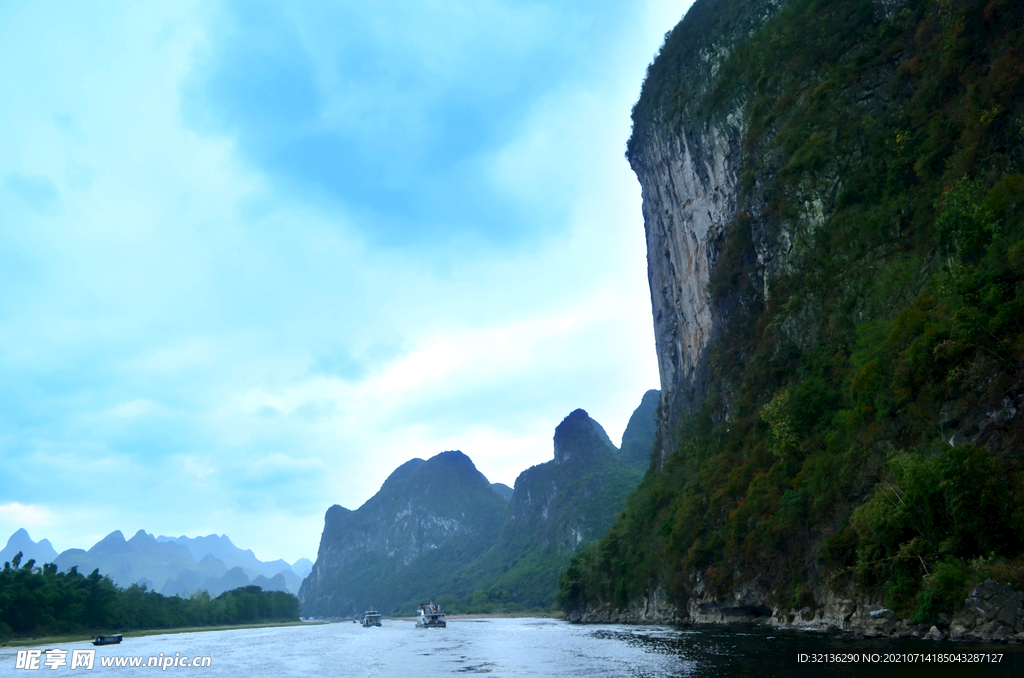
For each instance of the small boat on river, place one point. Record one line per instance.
(371, 618)
(107, 640)
(430, 616)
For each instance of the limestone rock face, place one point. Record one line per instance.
(641, 431)
(428, 519)
(991, 612)
(579, 438)
(690, 184)
(572, 500)
(689, 169)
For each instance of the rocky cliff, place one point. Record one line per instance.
(686, 153)
(429, 519)
(438, 528)
(641, 431)
(833, 196)
(561, 506)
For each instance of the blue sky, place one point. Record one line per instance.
(256, 255)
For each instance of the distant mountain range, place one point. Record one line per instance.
(439, 527)
(436, 527)
(170, 565)
(41, 551)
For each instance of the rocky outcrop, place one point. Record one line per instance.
(991, 612)
(429, 519)
(579, 439)
(653, 609)
(573, 499)
(641, 432)
(559, 507)
(687, 155)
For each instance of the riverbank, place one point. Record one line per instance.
(496, 615)
(139, 633)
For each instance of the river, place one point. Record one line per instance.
(528, 647)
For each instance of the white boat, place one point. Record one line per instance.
(430, 616)
(371, 618)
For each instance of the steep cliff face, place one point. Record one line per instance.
(559, 507)
(573, 499)
(641, 431)
(428, 519)
(833, 199)
(438, 528)
(686, 153)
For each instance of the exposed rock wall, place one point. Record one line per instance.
(572, 500)
(698, 173)
(992, 612)
(687, 155)
(690, 186)
(429, 518)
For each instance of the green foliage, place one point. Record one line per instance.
(942, 509)
(38, 601)
(964, 224)
(821, 455)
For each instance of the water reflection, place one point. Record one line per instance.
(713, 651)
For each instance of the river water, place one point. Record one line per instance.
(531, 647)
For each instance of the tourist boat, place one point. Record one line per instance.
(430, 616)
(107, 640)
(371, 618)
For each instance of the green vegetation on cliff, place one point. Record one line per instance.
(37, 601)
(438, 530)
(861, 431)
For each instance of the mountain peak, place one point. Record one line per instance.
(641, 431)
(580, 437)
(113, 544)
(41, 552)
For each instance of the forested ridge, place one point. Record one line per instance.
(861, 432)
(37, 601)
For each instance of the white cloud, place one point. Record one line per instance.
(29, 516)
(135, 408)
(178, 323)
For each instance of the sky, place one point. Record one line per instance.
(256, 255)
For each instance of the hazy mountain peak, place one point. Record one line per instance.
(502, 489)
(641, 431)
(41, 552)
(111, 544)
(404, 471)
(580, 437)
(142, 535)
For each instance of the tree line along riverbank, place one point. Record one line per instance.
(40, 601)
